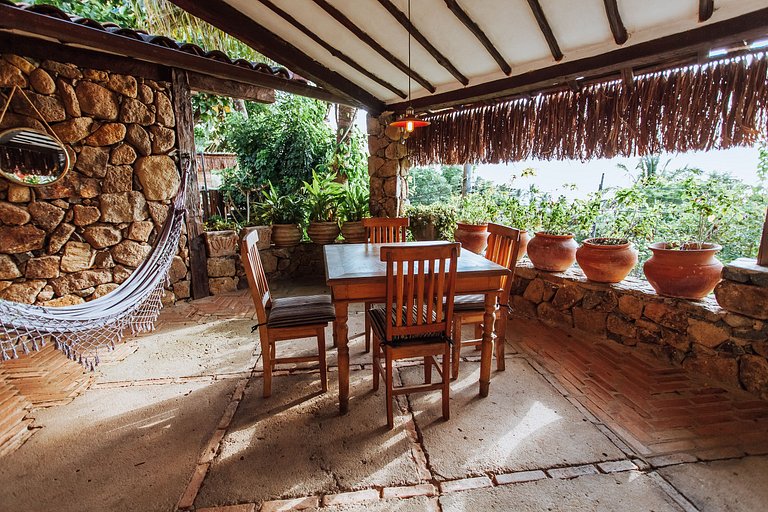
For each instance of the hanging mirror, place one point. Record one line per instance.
(30, 157)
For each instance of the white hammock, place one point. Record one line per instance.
(81, 330)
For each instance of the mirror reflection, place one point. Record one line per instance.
(30, 157)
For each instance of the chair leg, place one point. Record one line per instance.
(321, 356)
(376, 365)
(501, 340)
(390, 389)
(368, 305)
(456, 347)
(446, 383)
(427, 370)
(267, 357)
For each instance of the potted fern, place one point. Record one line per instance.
(285, 213)
(353, 207)
(323, 195)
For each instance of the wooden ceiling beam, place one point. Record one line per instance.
(332, 49)
(468, 22)
(662, 51)
(541, 19)
(441, 59)
(225, 17)
(114, 48)
(364, 37)
(618, 29)
(229, 88)
(706, 9)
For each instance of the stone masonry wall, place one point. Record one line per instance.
(387, 167)
(728, 347)
(225, 269)
(79, 238)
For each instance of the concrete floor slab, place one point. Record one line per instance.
(295, 444)
(523, 424)
(218, 347)
(114, 449)
(626, 492)
(744, 480)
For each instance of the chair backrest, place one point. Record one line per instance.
(421, 284)
(386, 230)
(503, 248)
(254, 271)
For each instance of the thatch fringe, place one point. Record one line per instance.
(712, 106)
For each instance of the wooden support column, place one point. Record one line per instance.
(185, 135)
(762, 253)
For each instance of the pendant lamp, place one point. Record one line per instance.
(408, 122)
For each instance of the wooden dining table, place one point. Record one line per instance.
(355, 273)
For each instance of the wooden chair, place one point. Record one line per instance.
(285, 318)
(382, 230)
(503, 248)
(416, 318)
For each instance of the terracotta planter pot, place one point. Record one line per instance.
(323, 233)
(553, 253)
(354, 232)
(685, 274)
(473, 237)
(605, 263)
(286, 235)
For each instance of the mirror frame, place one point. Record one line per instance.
(68, 159)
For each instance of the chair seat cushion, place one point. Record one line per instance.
(302, 310)
(469, 303)
(378, 317)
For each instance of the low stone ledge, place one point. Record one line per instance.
(700, 335)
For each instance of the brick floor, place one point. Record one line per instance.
(656, 408)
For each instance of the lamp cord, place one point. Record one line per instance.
(410, 71)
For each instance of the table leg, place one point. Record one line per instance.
(341, 334)
(486, 354)
(502, 316)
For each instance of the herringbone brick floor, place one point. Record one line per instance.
(655, 407)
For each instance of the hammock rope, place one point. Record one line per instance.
(81, 330)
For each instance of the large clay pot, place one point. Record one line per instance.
(286, 235)
(473, 237)
(686, 274)
(323, 233)
(553, 253)
(606, 260)
(354, 232)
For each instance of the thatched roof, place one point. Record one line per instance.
(712, 106)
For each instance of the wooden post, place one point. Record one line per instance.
(762, 253)
(185, 133)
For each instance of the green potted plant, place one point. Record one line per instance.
(432, 221)
(323, 194)
(518, 214)
(354, 206)
(474, 212)
(687, 267)
(553, 249)
(285, 213)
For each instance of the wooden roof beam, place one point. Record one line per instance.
(423, 41)
(706, 9)
(114, 48)
(614, 19)
(541, 19)
(225, 17)
(468, 22)
(668, 50)
(364, 37)
(332, 49)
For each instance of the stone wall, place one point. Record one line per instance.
(225, 270)
(727, 346)
(79, 238)
(387, 167)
